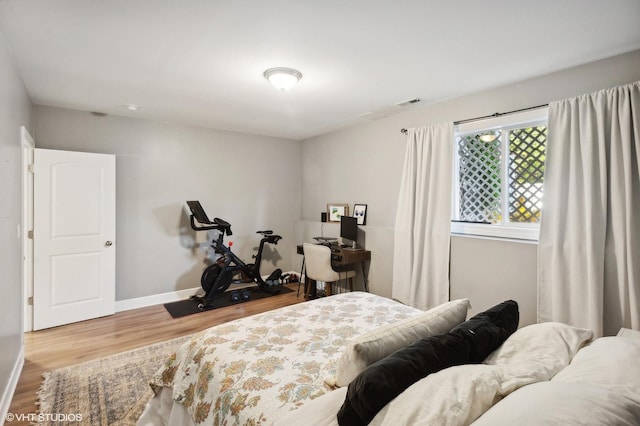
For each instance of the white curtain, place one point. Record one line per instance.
(589, 249)
(423, 219)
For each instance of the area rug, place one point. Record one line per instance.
(107, 391)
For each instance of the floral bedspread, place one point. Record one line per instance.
(252, 370)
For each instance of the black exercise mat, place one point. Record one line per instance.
(183, 308)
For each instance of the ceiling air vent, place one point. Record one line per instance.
(372, 115)
(408, 102)
(388, 110)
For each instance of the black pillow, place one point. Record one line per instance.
(469, 342)
(487, 330)
(382, 381)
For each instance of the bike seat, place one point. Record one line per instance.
(272, 239)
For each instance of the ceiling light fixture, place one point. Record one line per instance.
(282, 78)
(131, 107)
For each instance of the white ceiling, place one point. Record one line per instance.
(200, 62)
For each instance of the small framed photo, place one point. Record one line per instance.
(360, 213)
(335, 211)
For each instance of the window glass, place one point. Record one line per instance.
(499, 176)
(480, 176)
(526, 173)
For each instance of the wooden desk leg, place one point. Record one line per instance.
(310, 288)
(364, 278)
(302, 271)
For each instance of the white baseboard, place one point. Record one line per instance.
(10, 389)
(157, 299)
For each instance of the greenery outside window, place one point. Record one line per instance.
(499, 176)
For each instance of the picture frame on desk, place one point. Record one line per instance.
(337, 210)
(360, 213)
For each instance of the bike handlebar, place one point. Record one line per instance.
(198, 214)
(204, 224)
(219, 224)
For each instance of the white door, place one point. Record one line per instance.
(74, 237)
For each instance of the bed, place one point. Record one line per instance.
(323, 362)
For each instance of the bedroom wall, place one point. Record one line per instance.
(250, 181)
(15, 111)
(362, 164)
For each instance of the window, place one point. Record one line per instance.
(499, 176)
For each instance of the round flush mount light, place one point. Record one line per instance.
(132, 107)
(282, 78)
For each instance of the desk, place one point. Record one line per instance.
(339, 259)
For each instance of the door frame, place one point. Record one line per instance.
(27, 146)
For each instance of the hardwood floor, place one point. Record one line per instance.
(70, 344)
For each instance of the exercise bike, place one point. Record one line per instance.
(219, 276)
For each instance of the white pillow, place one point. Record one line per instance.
(377, 344)
(321, 411)
(453, 396)
(562, 403)
(610, 362)
(536, 353)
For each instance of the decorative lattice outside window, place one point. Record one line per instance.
(526, 173)
(499, 178)
(480, 178)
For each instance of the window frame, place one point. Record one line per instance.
(504, 229)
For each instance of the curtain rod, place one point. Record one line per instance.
(494, 115)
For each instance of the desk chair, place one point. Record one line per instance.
(318, 265)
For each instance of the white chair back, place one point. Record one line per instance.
(317, 260)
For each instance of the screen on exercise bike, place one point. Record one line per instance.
(198, 212)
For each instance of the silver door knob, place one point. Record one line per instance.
(108, 244)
